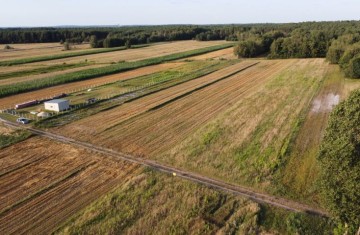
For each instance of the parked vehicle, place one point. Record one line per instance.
(22, 120)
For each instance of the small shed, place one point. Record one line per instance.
(57, 105)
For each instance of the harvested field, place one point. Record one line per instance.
(165, 205)
(247, 143)
(65, 88)
(155, 131)
(153, 51)
(302, 169)
(21, 51)
(44, 182)
(227, 53)
(118, 115)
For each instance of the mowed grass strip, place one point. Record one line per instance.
(62, 56)
(97, 72)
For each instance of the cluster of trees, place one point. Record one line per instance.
(255, 44)
(345, 51)
(340, 163)
(301, 44)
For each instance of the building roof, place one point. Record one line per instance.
(57, 101)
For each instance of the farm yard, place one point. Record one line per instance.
(254, 123)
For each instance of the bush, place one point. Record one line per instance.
(67, 46)
(7, 47)
(353, 69)
(248, 49)
(340, 163)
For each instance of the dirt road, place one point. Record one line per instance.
(213, 183)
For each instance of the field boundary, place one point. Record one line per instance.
(22, 87)
(191, 176)
(63, 56)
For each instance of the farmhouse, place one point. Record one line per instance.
(57, 105)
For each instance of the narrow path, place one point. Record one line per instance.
(213, 183)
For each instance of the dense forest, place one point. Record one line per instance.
(337, 41)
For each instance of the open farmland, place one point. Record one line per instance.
(116, 116)
(220, 54)
(142, 132)
(81, 85)
(152, 51)
(186, 121)
(22, 51)
(44, 182)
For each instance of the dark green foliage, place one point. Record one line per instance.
(96, 72)
(340, 162)
(353, 69)
(293, 223)
(67, 46)
(255, 44)
(248, 49)
(7, 47)
(301, 44)
(93, 41)
(128, 44)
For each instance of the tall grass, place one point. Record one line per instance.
(97, 72)
(62, 56)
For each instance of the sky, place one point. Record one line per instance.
(16, 13)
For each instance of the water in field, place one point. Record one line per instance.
(325, 103)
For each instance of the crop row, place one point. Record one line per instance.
(97, 72)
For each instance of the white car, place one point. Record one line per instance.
(22, 120)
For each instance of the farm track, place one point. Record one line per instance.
(10, 101)
(59, 182)
(118, 115)
(67, 209)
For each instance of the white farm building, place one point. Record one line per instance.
(57, 105)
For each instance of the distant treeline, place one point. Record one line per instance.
(333, 40)
(339, 42)
(119, 35)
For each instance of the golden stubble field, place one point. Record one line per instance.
(44, 182)
(22, 51)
